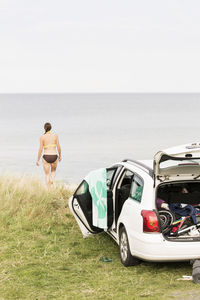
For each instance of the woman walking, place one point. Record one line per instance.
(50, 144)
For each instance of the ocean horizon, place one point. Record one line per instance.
(95, 130)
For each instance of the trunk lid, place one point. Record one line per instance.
(177, 163)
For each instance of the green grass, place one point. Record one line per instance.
(43, 254)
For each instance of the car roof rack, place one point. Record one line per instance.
(140, 165)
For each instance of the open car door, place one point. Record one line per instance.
(178, 163)
(92, 203)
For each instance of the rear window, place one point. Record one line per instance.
(176, 162)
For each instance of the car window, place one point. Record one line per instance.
(136, 188)
(110, 176)
(83, 188)
(127, 179)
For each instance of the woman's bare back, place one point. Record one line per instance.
(50, 143)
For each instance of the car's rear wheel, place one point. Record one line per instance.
(126, 258)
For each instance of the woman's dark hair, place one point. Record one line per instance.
(47, 127)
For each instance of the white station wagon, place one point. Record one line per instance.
(152, 209)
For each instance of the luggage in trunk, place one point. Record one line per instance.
(178, 206)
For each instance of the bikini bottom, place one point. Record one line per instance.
(50, 158)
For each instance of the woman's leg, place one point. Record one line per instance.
(53, 171)
(46, 167)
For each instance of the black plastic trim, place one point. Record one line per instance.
(116, 175)
(112, 236)
(189, 240)
(165, 157)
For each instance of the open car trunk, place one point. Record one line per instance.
(178, 206)
(178, 163)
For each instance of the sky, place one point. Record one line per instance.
(65, 46)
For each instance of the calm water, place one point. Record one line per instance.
(95, 130)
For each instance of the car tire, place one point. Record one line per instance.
(126, 258)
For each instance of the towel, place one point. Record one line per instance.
(98, 190)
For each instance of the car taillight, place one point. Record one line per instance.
(150, 221)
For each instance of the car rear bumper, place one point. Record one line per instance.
(154, 247)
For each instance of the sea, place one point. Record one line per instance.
(95, 130)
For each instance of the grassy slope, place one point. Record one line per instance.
(43, 255)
